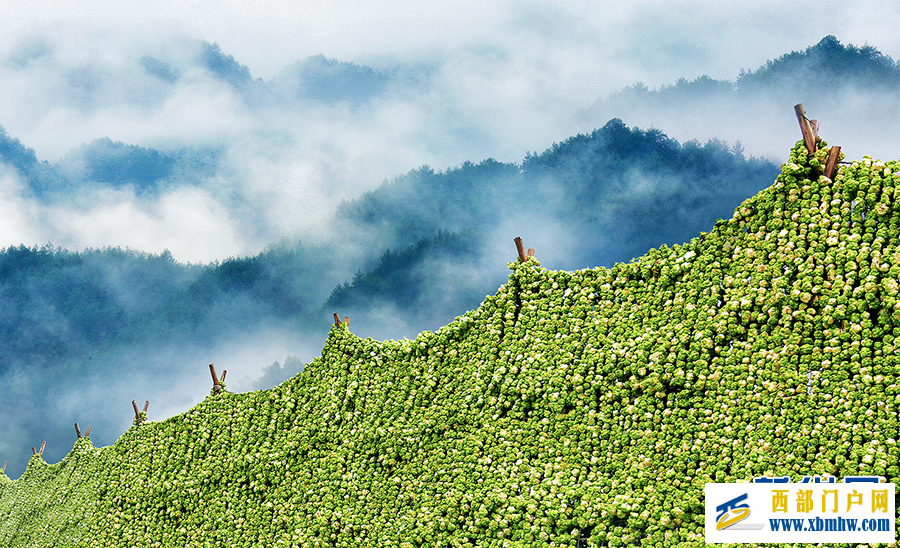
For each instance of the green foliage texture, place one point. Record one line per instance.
(584, 408)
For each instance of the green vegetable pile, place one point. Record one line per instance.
(583, 408)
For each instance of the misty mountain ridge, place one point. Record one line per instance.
(107, 163)
(41, 177)
(117, 164)
(821, 70)
(314, 79)
(832, 72)
(857, 86)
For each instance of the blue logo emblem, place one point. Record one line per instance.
(732, 512)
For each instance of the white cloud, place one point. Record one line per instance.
(16, 214)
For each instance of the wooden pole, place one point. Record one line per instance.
(88, 433)
(4, 466)
(834, 153)
(146, 405)
(807, 128)
(520, 248)
(212, 371)
(41, 452)
(223, 376)
(77, 431)
(337, 320)
(137, 414)
(347, 322)
(531, 252)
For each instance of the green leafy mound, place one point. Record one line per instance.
(583, 408)
(51, 503)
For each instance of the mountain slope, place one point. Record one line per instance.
(859, 87)
(630, 183)
(828, 61)
(587, 406)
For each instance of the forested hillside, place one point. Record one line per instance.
(858, 86)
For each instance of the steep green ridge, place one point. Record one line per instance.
(589, 405)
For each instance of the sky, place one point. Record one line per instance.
(505, 78)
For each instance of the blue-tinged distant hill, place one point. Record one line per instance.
(824, 72)
(637, 188)
(328, 80)
(42, 178)
(828, 64)
(854, 91)
(225, 68)
(116, 164)
(316, 79)
(107, 163)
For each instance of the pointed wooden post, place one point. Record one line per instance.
(520, 248)
(339, 323)
(137, 415)
(834, 154)
(88, 433)
(77, 431)
(807, 127)
(217, 387)
(41, 452)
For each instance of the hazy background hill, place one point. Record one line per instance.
(234, 247)
(852, 90)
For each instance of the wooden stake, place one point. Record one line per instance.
(77, 431)
(146, 405)
(4, 466)
(531, 252)
(337, 320)
(831, 163)
(137, 414)
(807, 128)
(88, 433)
(347, 322)
(212, 371)
(223, 376)
(520, 248)
(41, 452)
